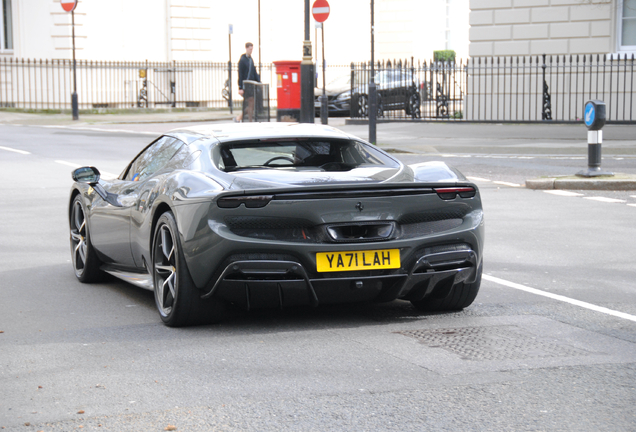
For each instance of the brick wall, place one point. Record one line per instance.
(533, 27)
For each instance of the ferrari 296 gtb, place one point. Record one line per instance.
(277, 215)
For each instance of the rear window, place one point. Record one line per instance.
(301, 154)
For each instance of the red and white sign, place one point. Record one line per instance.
(320, 10)
(68, 5)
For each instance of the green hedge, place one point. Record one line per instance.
(444, 55)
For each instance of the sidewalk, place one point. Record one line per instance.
(126, 117)
(407, 137)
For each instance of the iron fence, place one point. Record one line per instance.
(483, 89)
(47, 84)
(549, 88)
(498, 89)
(409, 90)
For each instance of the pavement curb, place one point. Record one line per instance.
(626, 183)
(193, 120)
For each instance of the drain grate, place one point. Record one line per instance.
(492, 343)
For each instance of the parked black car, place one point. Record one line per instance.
(338, 92)
(397, 89)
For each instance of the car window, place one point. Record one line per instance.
(393, 76)
(340, 82)
(301, 154)
(153, 158)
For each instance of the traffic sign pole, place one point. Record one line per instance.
(74, 101)
(373, 98)
(69, 6)
(324, 111)
(320, 10)
(307, 103)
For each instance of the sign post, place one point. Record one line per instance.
(594, 120)
(69, 6)
(307, 102)
(321, 11)
(373, 94)
(230, 30)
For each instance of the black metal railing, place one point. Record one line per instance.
(484, 89)
(499, 89)
(47, 84)
(409, 90)
(549, 88)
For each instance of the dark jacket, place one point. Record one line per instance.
(247, 70)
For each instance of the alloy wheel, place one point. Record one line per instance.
(79, 247)
(363, 106)
(165, 268)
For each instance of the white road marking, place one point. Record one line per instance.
(562, 193)
(496, 156)
(558, 297)
(478, 179)
(72, 165)
(606, 200)
(105, 175)
(632, 205)
(102, 130)
(507, 184)
(15, 150)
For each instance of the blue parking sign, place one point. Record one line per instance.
(590, 114)
(594, 113)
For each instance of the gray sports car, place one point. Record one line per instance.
(277, 215)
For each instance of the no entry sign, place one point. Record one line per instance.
(68, 5)
(320, 10)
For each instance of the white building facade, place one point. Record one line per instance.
(197, 30)
(176, 52)
(541, 60)
(534, 27)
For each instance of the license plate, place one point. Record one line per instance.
(358, 260)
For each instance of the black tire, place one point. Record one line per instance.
(85, 262)
(361, 105)
(178, 301)
(460, 296)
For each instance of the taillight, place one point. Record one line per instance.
(450, 193)
(249, 201)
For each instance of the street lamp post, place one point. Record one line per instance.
(373, 96)
(69, 6)
(74, 101)
(307, 76)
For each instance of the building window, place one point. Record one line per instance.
(6, 35)
(627, 26)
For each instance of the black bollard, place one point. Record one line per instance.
(594, 120)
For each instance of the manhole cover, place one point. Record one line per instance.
(492, 343)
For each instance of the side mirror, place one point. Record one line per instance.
(88, 175)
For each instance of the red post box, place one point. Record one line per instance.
(288, 90)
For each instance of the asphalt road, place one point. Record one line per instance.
(549, 344)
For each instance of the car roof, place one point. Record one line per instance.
(248, 131)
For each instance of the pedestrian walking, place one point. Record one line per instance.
(247, 72)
